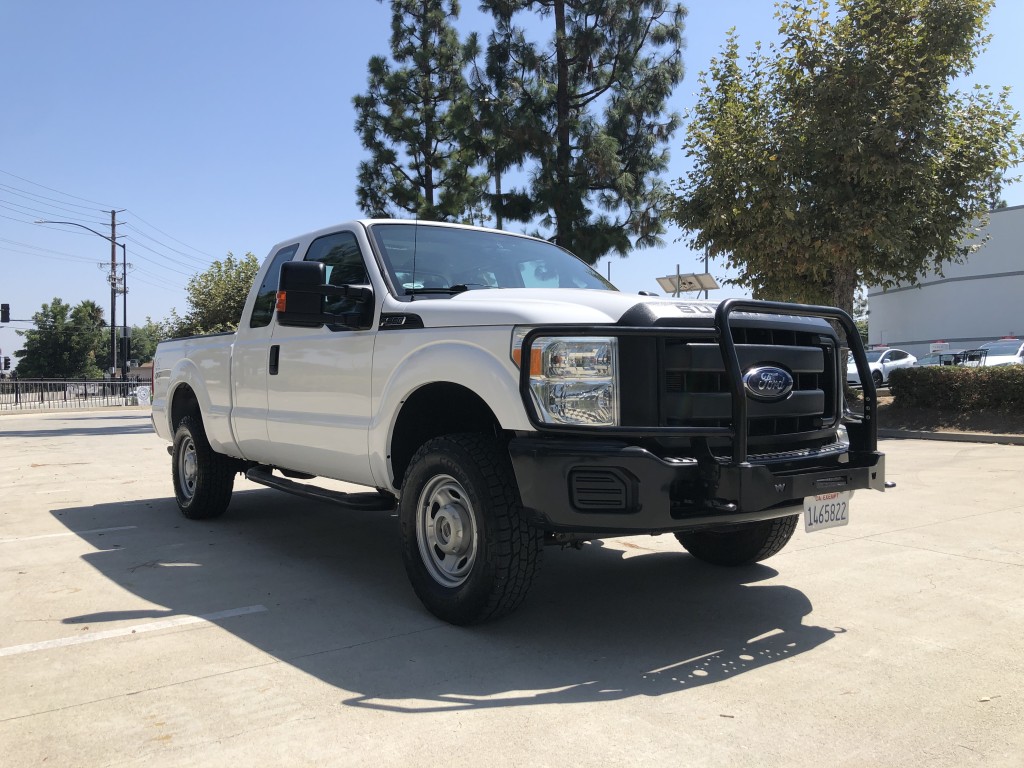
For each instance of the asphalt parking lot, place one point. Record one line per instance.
(285, 633)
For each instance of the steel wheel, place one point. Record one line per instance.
(188, 468)
(446, 531)
(468, 548)
(203, 478)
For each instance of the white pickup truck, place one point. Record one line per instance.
(503, 395)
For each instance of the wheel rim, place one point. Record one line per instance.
(446, 531)
(188, 467)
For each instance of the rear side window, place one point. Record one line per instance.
(266, 299)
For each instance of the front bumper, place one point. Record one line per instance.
(619, 488)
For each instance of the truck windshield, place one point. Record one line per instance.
(422, 258)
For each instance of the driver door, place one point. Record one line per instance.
(318, 393)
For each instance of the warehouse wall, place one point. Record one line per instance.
(971, 303)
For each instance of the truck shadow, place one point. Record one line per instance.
(326, 593)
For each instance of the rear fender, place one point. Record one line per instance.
(213, 398)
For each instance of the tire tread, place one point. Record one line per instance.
(517, 545)
(216, 474)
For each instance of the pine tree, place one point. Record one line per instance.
(601, 88)
(416, 120)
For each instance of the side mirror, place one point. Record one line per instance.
(301, 295)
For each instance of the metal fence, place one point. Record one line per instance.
(47, 394)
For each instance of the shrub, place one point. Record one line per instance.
(960, 389)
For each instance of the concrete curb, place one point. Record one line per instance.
(888, 434)
(952, 437)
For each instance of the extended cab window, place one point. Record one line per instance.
(266, 299)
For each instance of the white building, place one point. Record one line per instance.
(974, 302)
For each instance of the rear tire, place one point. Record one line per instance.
(203, 479)
(469, 551)
(745, 544)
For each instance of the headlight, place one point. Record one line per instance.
(573, 379)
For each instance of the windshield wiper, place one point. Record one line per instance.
(448, 291)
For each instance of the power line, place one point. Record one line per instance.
(61, 204)
(155, 263)
(162, 245)
(43, 212)
(51, 189)
(179, 242)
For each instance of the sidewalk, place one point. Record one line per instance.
(953, 437)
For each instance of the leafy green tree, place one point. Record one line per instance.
(64, 343)
(415, 119)
(600, 87)
(145, 338)
(88, 314)
(216, 297)
(842, 155)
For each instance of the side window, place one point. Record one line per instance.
(340, 254)
(898, 355)
(343, 262)
(266, 299)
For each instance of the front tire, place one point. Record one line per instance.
(877, 376)
(469, 551)
(203, 479)
(745, 544)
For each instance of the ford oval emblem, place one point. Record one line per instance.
(768, 383)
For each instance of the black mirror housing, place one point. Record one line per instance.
(302, 290)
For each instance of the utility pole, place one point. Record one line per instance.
(124, 312)
(113, 291)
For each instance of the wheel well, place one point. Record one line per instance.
(184, 403)
(433, 410)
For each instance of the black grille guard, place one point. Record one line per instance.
(862, 429)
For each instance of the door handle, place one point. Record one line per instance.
(275, 356)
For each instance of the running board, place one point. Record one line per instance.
(364, 502)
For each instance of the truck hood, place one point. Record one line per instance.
(542, 306)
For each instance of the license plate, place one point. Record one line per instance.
(826, 510)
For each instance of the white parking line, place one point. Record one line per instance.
(69, 533)
(180, 621)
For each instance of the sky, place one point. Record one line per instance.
(228, 126)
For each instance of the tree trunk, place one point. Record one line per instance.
(563, 234)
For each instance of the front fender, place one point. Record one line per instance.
(468, 362)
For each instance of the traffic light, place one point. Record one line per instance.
(7, 363)
(5, 313)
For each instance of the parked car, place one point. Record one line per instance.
(881, 362)
(1003, 352)
(946, 357)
